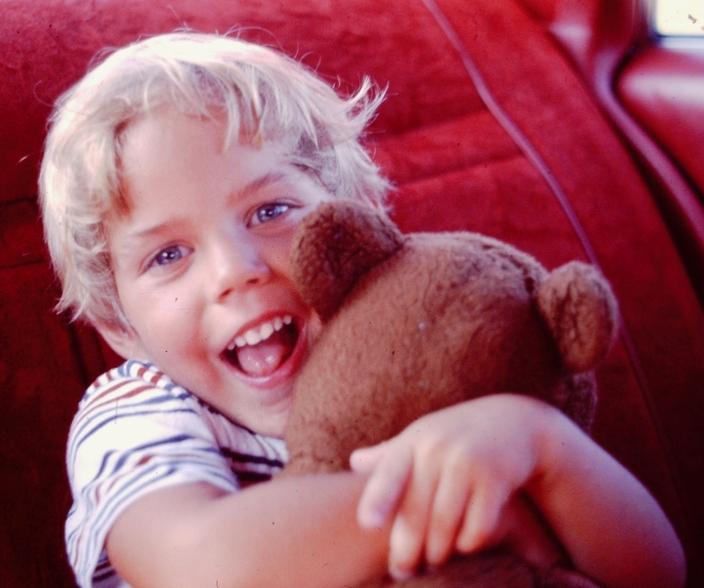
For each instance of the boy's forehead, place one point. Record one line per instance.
(158, 131)
(170, 151)
(151, 129)
(162, 121)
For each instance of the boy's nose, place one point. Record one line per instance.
(235, 266)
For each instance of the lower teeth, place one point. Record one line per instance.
(265, 357)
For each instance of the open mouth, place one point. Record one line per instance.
(260, 351)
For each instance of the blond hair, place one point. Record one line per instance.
(259, 93)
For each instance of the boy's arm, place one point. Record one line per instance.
(607, 521)
(451, 481)
(288, 532)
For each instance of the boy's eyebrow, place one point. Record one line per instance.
(261, 182)
(140, 234)
(248, 189)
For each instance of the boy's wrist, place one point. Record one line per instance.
(552, 444)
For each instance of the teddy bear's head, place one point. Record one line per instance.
(420, 321)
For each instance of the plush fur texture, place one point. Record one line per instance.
(417, 322)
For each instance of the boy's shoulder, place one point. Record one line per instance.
(137, 404)
(135, 372)
(135, 387)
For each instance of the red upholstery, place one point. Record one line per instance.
(663, 87)
(612, 45)
(488, 127)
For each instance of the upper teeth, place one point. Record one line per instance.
(260, 332)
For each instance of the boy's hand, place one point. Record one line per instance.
(450, 482)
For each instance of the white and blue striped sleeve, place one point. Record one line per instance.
(131, 437)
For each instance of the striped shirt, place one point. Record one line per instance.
(137, 431)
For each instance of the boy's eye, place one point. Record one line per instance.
(169, 255)
(269, 212)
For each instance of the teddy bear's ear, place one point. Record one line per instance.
(581, 311)
(335, 245)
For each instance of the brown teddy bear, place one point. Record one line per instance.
(417, 322)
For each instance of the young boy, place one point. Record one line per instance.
(174, 176)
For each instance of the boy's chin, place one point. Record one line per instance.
(266, 417)
(273, 425)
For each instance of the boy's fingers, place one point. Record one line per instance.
(385, 487)
(411, 523)
(447, 513)
(365, 459)
(404, 550)
(482, 518)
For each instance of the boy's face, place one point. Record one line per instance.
(201, 264)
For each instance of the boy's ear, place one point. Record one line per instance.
(334, 246)
(125, 342)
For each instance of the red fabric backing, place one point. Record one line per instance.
(457, 164)
(663, 87)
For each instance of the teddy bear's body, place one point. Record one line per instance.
(414, 323)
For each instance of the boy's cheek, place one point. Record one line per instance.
(126, 344)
